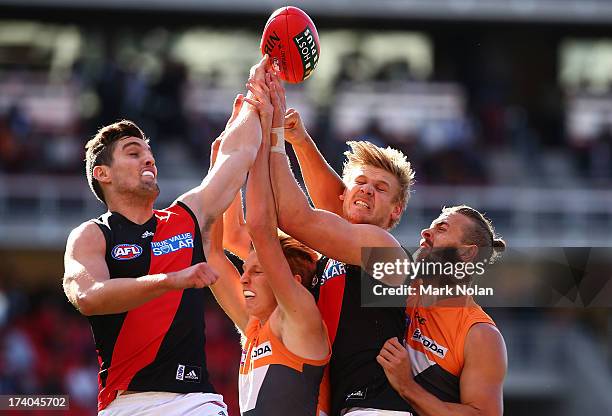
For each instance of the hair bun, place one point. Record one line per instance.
(499, 244)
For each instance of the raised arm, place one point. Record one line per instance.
(227, 290)
(296, 305)
(241, 140)
(481, 380)
(324, 231)
(88, 286)
(235, 234)
(324, 185)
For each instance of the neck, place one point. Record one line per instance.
(136, 210)
(263, 319)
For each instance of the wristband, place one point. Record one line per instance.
(279, 147)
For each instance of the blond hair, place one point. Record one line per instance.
(364, 153)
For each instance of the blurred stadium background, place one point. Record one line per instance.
(505, 105)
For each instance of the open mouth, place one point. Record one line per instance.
(148, 173)
(362, 204)
(248, 294)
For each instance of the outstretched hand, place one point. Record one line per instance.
(295, 132)
(261, 101)
(278, 98)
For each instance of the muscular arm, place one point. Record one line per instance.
(481, 380)
(235, 234)
(241, 140)
(88, 286)
(325, 232)
(227, 289)
(322, 182)
(236, 155)
(303, 332)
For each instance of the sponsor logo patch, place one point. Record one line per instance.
(180, 372)
(188, 373)
(147, 234)
(357, 394)
(172, 244)
(333, 268)
(126, 251)
(429, 344)
(309, 50)
(262, 350)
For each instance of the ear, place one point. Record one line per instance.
(342, 195)
(397, 212)
(297, 278)
(468, 253)
(102, 174)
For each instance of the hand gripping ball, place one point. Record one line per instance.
(291, 40)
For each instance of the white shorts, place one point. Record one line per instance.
(166, 404)
(362, 411)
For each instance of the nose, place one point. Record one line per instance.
(244, 279)
(426, 233)
(149, 159)
(367, 189)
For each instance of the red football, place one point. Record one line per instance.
(291, 40)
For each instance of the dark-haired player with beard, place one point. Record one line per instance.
(454, 361)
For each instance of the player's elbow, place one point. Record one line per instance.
(87, 304)
(259, 228)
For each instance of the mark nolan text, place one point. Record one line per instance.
(407, 290)
(459, 290)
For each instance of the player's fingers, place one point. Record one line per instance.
(395, 344)
(257, 92)
(258, 85)
(211, 274)
(382, 361)
(386, 354)
(276, 79)
(254, 103)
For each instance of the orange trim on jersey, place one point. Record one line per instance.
(440, 332)
(259, 337)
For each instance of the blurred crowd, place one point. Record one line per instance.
(46, 347)
(44, 122)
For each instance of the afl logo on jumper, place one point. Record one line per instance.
(172, 244)
(126, 251)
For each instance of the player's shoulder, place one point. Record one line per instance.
(484, 335)
(377, 235)
(88, 232)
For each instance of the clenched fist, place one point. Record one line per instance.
(197, 276)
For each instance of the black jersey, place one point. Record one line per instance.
(158, 346)
(357, 334)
